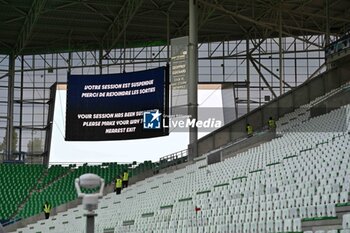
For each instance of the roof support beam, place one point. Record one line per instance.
(273, 74)
(204, 16)
(27, 28)
(97, 12)
(4, 44)
(120, 23)
(262, 77)
(268, 25)
(4, 76)
(319, 11)
(14, 20)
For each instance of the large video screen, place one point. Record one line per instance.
(117, 106)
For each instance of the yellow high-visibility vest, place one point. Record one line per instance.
(271, 124)
(126, 176)
(250, 129)
(47, 208)
(118, 183)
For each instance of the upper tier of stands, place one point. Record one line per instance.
(300, 176)
(291, 120)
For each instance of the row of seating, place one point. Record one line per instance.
(16, 180)
(301, 114)
(53, 184)
(62, 190)
(302, 175)
(58, 185)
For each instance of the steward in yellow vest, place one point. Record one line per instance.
(249, 130)
(271, 123)
(47, 209)
(125, 179)
(118, 185)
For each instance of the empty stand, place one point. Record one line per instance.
(17, 181)
(301, 114)
(275, 187)
(58, 185)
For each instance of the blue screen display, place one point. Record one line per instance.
(117, 106)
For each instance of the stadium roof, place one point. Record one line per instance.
(43, 26)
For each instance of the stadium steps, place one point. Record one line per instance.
(44, 185)
(54, 173)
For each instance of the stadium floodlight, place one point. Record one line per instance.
(90, 200)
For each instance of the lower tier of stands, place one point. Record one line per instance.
(301, 176)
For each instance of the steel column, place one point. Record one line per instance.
(193, 74)
(100, 61)
(248, 75)
(168, 36)
(21, 107)
(280, 53)
(327, 35)
(10, 98)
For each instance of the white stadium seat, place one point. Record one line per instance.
(269, 188)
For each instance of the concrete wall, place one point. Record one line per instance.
(142, 176)
(222, 137)
(214, 158)
(337, 100)
(278, 107)
(285, 104)
(237, 129)
(205, 144)
(246, 144)
(270, 110)
(228, 102)
(301, 96)
(175, 167)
